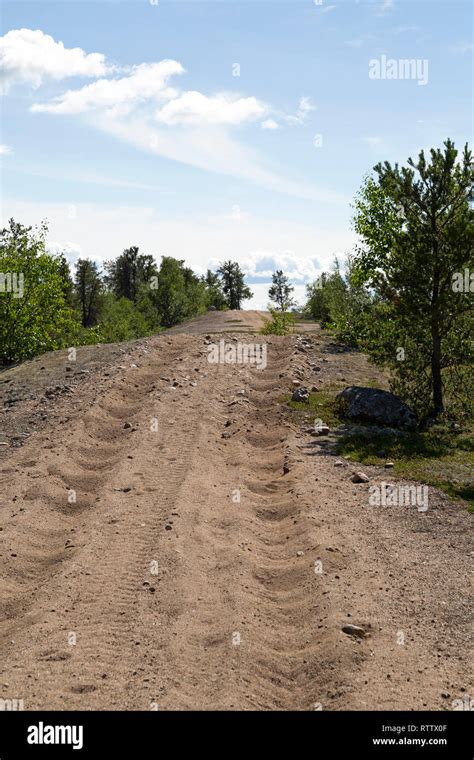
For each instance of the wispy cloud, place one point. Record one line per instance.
(382, 7)
(85, 177)
(372, 140)
(146, 83)
(305, 107)
(462, 48)
(140, 107)
(269, 124)
(5, 150)
(405, 29)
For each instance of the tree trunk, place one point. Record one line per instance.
(438, 406)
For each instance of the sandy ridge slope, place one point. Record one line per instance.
(185, 570)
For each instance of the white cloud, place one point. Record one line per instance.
(305, 106)
(405, 29)
(262, 264)
(378, 146)
(194, 108)
(85, 177)
(30, 56)
(462, 48)
(101, 232)
(260, 299)
(190, 127)
(5, 150)
(328, 8)
(146, 82)
(210, 148)
(72, 251)
(269, 124)
(373, 141)
(383, 7)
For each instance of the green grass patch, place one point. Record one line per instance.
(442, 456)
(321, 405)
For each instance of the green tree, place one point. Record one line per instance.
(121, 320)
(128, 272)
(326, 297)
(195, 291)
(34, 315)
(170, 295)
(214, 294)
(316, 305)
(89, 291)
(416, 229)
(281, 323)
(68, 284)
(233, 284)
(280, 291)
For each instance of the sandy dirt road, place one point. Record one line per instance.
(171, 539)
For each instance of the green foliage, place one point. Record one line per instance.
(133, 298)
(281, 290)
(128, 272)
(233, 285)
(195, 290)
(340, 303)
(88, 289)
(441, 456)
(281, 323)
(68, 284)
(40, 318)
(121, 321)
(214, 293)
(416, 228)
(180, 293)
(322, 405)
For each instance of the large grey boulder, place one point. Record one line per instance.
(375, 406)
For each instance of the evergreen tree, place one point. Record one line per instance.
(233, 284)
(214, 294)
(88, 289)
(416, 227)
(129, 272)
(281, 290)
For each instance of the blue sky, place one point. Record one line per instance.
(215, 130)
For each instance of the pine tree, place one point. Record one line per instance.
(88, 290)
(128, 272)
(281, 290)
(233, 284)
(416, 226)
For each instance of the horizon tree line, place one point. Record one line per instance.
(399, 297)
